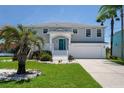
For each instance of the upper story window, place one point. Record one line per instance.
(75, 31)
(45, 31)
(88, 32)
(99, 34)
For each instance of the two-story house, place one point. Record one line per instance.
(78, 40)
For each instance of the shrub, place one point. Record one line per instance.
(46, 56)
(36, 55)
(46, 51)
(70, 58)
(59, 61)
(108, 52)
(113, 57)
(14, 58)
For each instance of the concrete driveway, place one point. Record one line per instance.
(108, 74)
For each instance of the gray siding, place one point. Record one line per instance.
(81, 35)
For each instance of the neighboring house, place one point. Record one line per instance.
(78, 40)
(2, 47)
(1, 43)
(117, 44)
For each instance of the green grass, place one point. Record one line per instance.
(54, 76)
(118, 61)
(5, 58)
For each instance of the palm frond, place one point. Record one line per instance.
(20, 27)
(25, 37)
(107, 11)
(9, 32)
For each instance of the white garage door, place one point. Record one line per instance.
(87, 50)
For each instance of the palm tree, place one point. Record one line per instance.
(108, 12)
(25, 38)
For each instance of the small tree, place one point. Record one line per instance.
(25, 38)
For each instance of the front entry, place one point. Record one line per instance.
(60, 49)
(62, 44)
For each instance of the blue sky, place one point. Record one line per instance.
(41, 14)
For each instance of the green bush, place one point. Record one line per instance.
(46, 56)
(46, 51)
(70, 58)
(108, 52)
(113, 57)
(14, 58)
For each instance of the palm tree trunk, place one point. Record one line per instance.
(122, 33)
(21, 64)
(21, 57)
(112, 31)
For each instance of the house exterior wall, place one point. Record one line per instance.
(117, 44)
(81, 35)
(39, 32)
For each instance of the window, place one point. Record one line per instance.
(88, 32)
(75, 31)
(45, 30)
(99, 33)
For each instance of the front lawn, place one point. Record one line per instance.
(5, 58)
(54, 76)
(118, 61)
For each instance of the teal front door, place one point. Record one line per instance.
(62, 44)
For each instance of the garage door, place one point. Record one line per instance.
(87, 50)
